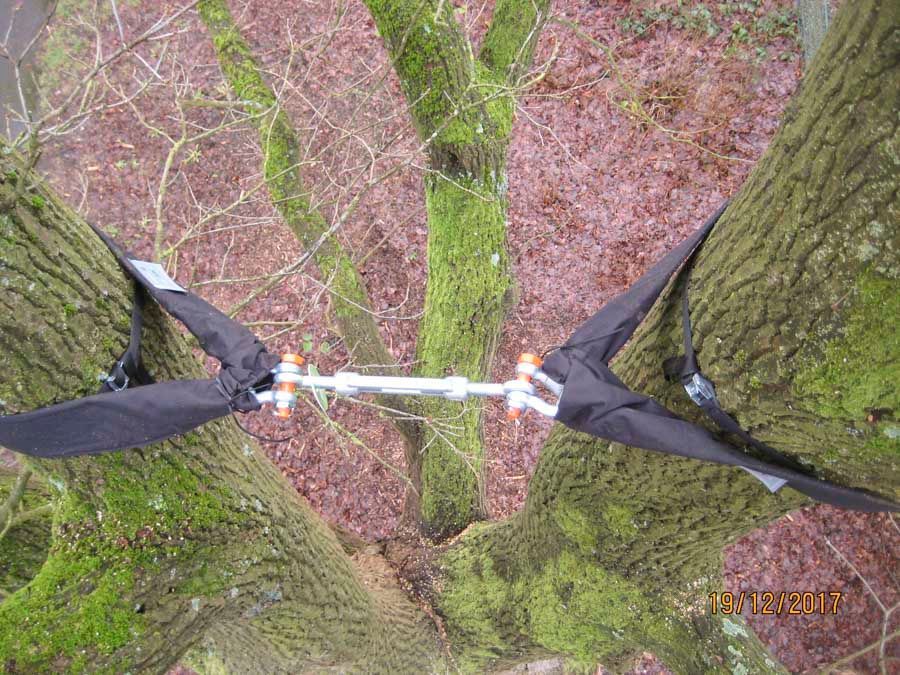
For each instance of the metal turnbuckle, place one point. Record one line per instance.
(520, 394)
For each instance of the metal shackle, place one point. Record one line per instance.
(526, 368)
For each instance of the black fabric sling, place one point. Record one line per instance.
(596, 402)
(131, 411)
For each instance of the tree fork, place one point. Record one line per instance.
(615, 547)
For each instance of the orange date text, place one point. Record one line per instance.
(767, 602)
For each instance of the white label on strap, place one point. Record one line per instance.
(772, 482)
(156, 276)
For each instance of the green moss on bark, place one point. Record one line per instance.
(76, 610)
(577, 526)
(80, 607)
(431, 56)
(463, 109)
(465, 302)
(852, 383)
(498, 608)
(512, 36)
(583, 610)
(860, 367)
(167, 491)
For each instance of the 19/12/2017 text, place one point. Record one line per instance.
(782, 602)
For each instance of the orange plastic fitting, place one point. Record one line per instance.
(288, 387)
(293, 358)
(533, 360)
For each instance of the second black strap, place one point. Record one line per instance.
(702, 392)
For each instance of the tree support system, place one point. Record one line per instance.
(520, 394)
(198, 544)
(138, 411)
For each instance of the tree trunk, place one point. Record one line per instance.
(281, 150)
(794, 300)
(463, 109)
(197, 537)
(281, 170)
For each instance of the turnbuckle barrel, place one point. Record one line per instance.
(520, 393)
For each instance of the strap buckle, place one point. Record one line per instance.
(700, 390)
(112, 381)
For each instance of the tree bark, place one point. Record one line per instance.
(197, 537)
(794, 301)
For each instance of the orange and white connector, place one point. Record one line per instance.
(519, 400)
(520, 394)
(285, 387)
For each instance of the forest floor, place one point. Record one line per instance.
(617, 154)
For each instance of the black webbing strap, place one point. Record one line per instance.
(128, 370)
(245, 361)
(703, 392)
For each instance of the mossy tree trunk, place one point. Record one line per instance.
(463, 108)
(198, 543)
(794, 301)
(815, 16)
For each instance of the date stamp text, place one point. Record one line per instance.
(782, 602)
